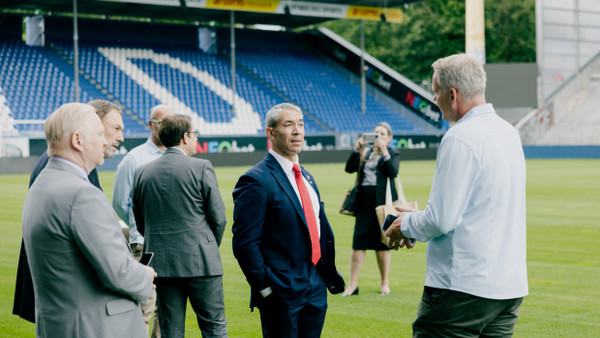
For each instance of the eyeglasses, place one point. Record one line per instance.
(156, 121)
(193, 133)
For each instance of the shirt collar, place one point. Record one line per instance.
(153, 146)
(74, 165)
(182, 151)
(285, 164)
(479, 110)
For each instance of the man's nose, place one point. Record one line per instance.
(120, 137)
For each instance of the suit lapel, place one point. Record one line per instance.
(284, 182)
(311, 181)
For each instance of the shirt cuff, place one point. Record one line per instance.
(266, 292)
(404, 226)
(387, 157)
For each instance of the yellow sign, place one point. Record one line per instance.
(374, 13)
(263, 6)
(299, 8)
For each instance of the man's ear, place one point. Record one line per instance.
(269, 132)
(453, 97)
(184, 139)
(76, 141)
(452, 94)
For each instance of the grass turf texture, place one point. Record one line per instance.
(563, 210)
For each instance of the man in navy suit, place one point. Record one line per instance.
(281, 237)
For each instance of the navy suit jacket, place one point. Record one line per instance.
(271, 240)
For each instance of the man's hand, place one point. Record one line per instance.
(397, 239)
(405, 209)
(153, 274)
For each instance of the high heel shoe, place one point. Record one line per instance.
(354, 293)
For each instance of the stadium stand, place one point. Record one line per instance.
(32, 85)
(321, 92)
(570, 116)
(7, 123)
(139, 72)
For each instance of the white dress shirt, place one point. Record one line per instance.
(287, 165)
(135, 158)
(475, 219)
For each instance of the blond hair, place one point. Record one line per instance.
(62, 123)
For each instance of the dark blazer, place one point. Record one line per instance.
(179, 210)
(385, 169)
(271, 240)
(24, 302)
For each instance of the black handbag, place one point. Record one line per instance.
(349, 204)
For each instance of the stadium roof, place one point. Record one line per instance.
(119, 9)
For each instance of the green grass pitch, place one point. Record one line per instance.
(563, 253)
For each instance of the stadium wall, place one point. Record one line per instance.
(24, 165)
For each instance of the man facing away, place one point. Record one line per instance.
(111, 116)
(86, 282)
(281, 237)
(179, 210)
(475, 221)
(138, 156)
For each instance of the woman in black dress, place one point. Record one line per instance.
(375, 163)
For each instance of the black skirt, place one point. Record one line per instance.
(366, 229)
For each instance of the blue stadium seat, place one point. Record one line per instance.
(34, 86)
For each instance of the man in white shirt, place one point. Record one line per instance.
(138, 156)
(475, 220)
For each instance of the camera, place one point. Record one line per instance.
(370, 138)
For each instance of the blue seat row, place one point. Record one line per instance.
(34, 87)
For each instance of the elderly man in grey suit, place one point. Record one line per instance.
(86, 282)
(179, 210)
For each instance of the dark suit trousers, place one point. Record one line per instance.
(206, 297)
(448, 313)
(306, 320)
(24, 303)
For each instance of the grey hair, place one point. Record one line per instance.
(461, 72)
(104, 107)
(387, 127)
(63, 122)
(274, 113)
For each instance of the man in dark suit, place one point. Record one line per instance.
(179, 210)
(111, 116)
(281, 237)
(74, 239)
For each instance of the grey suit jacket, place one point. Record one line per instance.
(86, 282)
(180, 212)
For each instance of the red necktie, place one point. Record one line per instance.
(309, 213)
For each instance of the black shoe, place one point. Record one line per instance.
(354, 293)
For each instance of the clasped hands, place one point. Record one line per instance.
(397, 238)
